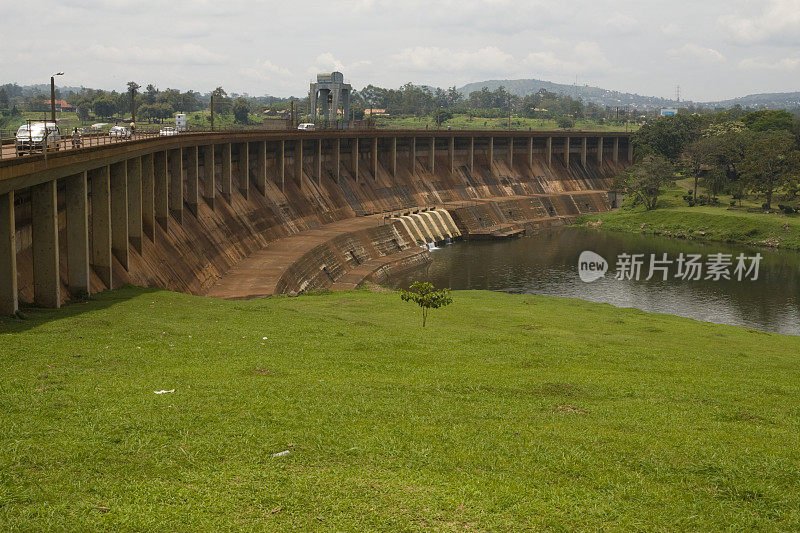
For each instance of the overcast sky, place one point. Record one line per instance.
(713, 49)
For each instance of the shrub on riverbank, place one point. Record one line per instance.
(510, 412)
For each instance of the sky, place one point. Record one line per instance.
(713, 49)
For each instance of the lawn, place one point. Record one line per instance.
(744, 224)
(507, 412)
(465, 122)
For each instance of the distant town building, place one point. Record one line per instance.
(375, 112)
(668, 111)
(180, 122)
(62, 105)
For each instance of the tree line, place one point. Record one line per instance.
(408, 100)
(733, 152)
(419, 100)
(151, 103)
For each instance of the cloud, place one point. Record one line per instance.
(621, 23)
(503, 17)
(671, 29)
(181, 54)
(694, 51)
(781, 64)
(584, 57)
(777, 24)
(326, 62)
(489, 59)
(268, 72)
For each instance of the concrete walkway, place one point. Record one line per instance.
(258, 275)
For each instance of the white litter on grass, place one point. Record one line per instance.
(284, 453)
(263, 338)
(163, 391)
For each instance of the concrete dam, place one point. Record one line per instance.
(248, 214)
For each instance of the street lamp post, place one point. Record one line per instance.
(53, 95)
(133, 87)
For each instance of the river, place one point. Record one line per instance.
(546, 263)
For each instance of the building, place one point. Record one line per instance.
(180, 122)
(62, 105)
(328, 96)
(375, 112)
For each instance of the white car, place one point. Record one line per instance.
(36, 136)
(167, 131)
(307, 126)
(120, 132)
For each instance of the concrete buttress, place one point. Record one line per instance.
(44, 235)
(77, 231)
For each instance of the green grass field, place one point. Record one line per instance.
(722, 223)
(506, 413)
(464, 122)
(202, 120)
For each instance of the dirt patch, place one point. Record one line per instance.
(374, 287)
(571, 409)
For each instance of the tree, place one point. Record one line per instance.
(132, 88)
(714, 181)
(83, 111)
(147, 112)
(150, 94)
(188, 102)
(427, 297)
(769, 163)
(222, 104)
(38, 103)
(768, 120)
(646, 179)
(240, 110)
(3, 99)
(697, 155)
(565, 122)
(668, 136)
(105, 106)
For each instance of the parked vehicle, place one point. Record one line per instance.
(167, 131)
(120, 132)
(34, 137)
(307, 126)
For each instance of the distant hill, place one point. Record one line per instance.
(790, 101)
(595, 95)
(604, 97)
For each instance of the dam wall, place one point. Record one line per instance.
(230, 200)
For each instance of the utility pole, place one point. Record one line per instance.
(133, 101)
(509, 111)
(212, 111)
(53, 95)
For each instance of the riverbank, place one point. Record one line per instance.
(506, 412)
(703, 223)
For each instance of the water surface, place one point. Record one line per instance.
(547, 263)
